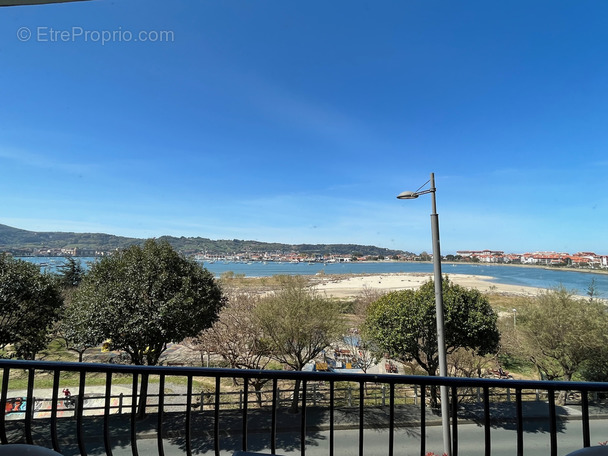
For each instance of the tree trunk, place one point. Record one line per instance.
(434, 396)
(143, 397)
(561, 397)
(432, 371)
(258, 393)
(296, 398)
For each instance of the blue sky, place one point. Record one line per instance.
(299, 122)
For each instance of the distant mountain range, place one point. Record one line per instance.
(15, 239)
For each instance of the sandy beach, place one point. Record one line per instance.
(351, 286)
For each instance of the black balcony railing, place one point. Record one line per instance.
(119, 409)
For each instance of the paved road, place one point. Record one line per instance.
(376, 442)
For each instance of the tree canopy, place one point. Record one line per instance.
(70, 273)
(403, 323)
(560, 331)
(143, 298)
(30, 302)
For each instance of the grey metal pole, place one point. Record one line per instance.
(443, 364)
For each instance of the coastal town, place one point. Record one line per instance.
(577, 260)
(584, 260)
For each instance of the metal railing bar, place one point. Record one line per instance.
(80, 412)
(520, 422)
(331, 417)
(303, 420)
(454, 421)
(361, 416)
(487, 420)
(29, 406)
(585, 412)
(6, 372)
(134, 415)
(106, 415)
(54, 405)
(391, 420)
(216, 418)
(160, 413)
(273, 425)
(422, 419)
(553, 422)
(245, 407)
(189, 417)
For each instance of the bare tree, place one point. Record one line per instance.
(364, 299)
(299, 324)
(361, 353)
(560, 331)
(237, 337)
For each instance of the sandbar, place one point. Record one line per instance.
(352, 285)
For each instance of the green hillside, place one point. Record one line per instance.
(17, 239)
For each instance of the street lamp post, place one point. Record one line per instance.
(443, 364)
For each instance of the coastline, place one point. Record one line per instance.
(531, 266)
(518, 277)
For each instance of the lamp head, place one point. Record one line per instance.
(407, 195)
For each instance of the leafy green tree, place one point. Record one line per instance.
(77, 339)
(143, 298)
(73, 329)
(560, 331)
(298, 325)
(30, 303)
(424, 256)
(403, 324)
(70, 273)
(595, 368)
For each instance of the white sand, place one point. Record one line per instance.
(351, 286)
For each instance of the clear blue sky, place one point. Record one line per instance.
(299, 122)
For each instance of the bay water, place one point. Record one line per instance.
(538, 277)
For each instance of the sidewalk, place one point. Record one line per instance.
(317, 418)
(259, 424)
